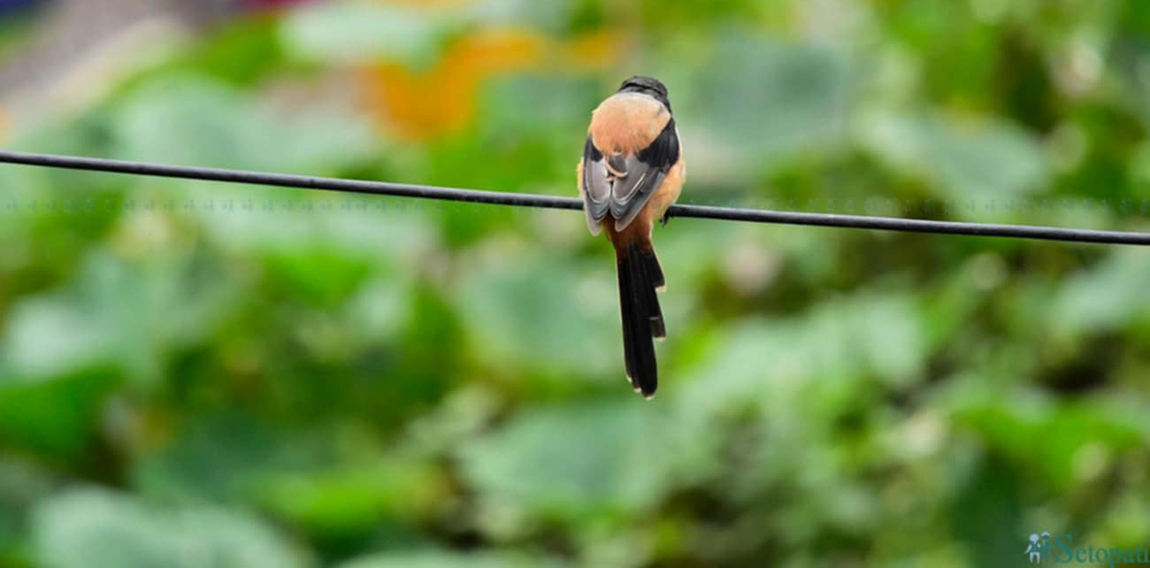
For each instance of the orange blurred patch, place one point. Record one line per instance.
(422, 105)
(419, 106)
(499, 51)
(595, 50)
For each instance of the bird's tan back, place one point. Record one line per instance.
(627, 122)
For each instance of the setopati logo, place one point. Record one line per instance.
(1061, 549)
(1039, 548)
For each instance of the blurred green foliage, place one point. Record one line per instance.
(197, 374)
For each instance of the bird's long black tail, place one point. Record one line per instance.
(639, 277)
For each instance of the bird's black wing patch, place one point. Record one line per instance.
(664, 151)
(645, 173)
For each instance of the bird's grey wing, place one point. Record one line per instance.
(641, 175)
(595, 186)
(630, 193)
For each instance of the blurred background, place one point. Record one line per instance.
(197, 374)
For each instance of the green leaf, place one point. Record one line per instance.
(554, 16)
(99, 529)
(51, 335)
(760, 360)
(1107, 297)
(542, 315)
(320, 277)
(192, 120)
(58, 417)
(359, 31)
(116, 313)
(760, 101)
(436, 559)
(354, 500)
(1048, 437)
(574, 460)
(971, 159)
(226, 457)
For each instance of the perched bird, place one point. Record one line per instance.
(631, 172)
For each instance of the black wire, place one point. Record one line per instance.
(552, 202)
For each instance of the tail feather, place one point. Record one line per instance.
(653, 268)
(627, 309)
(653, 275)
(639, 276)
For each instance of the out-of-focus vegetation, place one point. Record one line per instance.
(197, 374)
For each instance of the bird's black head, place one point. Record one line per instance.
(647, 86)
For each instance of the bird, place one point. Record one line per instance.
(631, 172)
